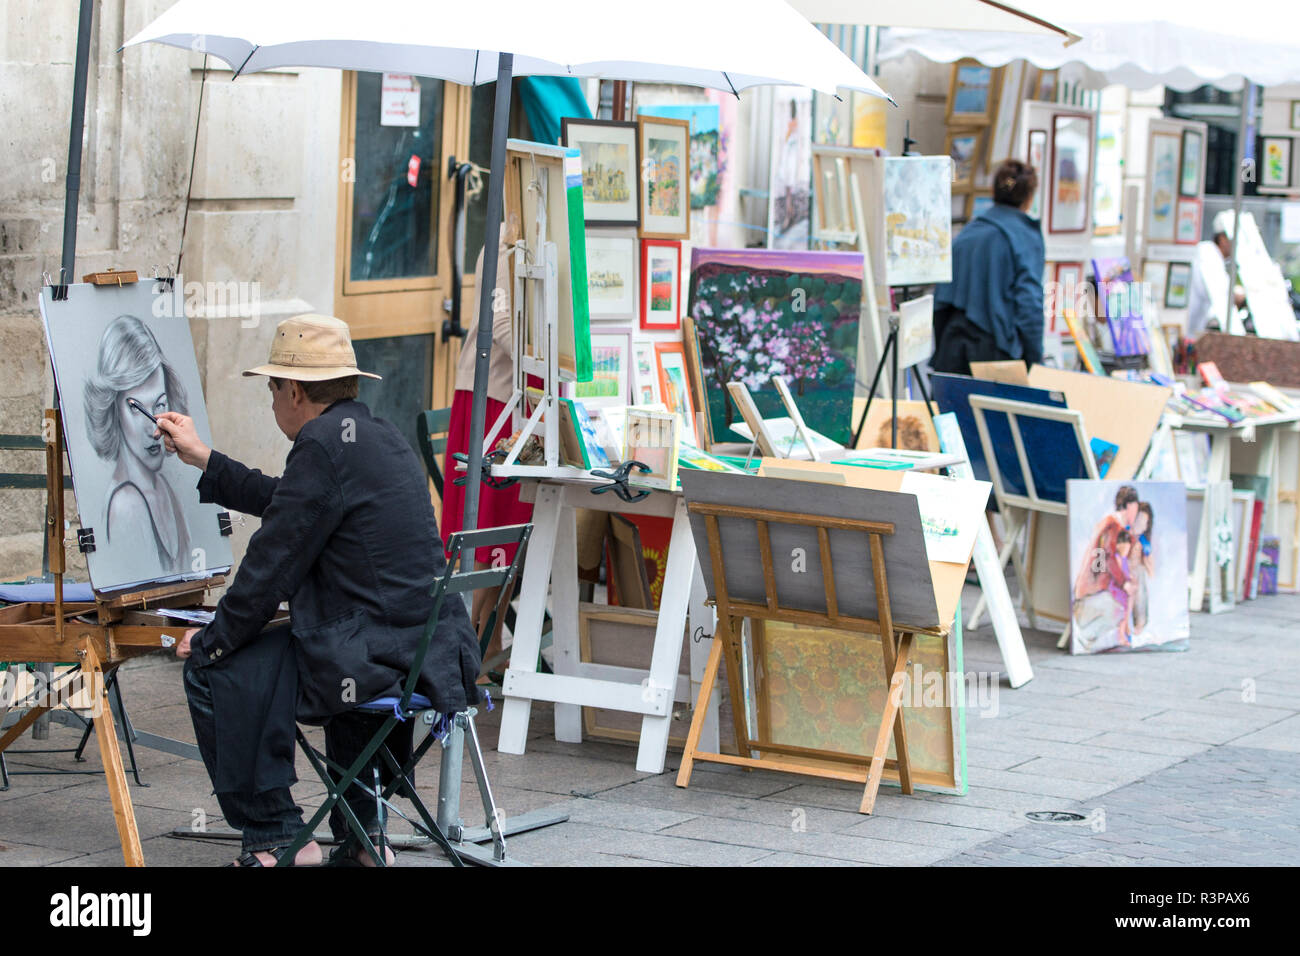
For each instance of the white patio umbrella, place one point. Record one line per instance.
(722, 44)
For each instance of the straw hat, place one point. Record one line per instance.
(311, 348)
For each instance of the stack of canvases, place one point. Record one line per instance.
(983, 126)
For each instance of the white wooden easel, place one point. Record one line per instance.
(552, 563)
(846, 225)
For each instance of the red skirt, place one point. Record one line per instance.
(496, 507)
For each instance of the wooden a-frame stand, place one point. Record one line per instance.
(895, 643)
(60, 632)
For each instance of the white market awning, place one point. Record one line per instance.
(933, 14)
(1181, 44)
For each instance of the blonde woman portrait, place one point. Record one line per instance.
(142, 516)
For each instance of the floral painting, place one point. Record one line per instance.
(765, 312)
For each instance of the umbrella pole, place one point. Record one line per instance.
(491, 232)
(1247, 112)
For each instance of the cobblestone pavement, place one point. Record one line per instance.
(1172, 758)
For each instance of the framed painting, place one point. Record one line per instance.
(612, 286)
(1069, 283)
(1178, 287)
(661, 284)
(1155, 275)
(704, 170)
(752, 323)
(789, 190)
(1037, 158)
(1162, 187)
(116, 350)
(611, 370)
(675, 387)
(645, 374)
(1188, 229)
(1002, 138)
(1192, 168)
(651, 437)
(1128, 559)
(1071, 175)
(665, 164)
(963, 148)
(1275, 162)
(977, 204)
(1108, 188)
(970, 94)
(609, 168)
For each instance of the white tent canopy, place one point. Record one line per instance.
(935, 14)
(1181, 44)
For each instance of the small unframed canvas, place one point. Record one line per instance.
(1128, 565)
(765, 312)
(918, 220)
(111, 344)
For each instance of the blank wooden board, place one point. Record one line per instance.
(799, 582)
(947, 578)
(1012, 372)
(1123, 413)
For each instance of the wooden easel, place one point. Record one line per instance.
(59, 632)
(895, 643)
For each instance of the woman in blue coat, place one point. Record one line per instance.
(993, 308)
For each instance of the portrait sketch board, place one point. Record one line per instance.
(110, 343)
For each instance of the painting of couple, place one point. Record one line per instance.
(1128, 548)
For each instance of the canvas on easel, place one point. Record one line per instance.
(113, 346)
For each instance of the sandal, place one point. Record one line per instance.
(349, 853)
(249, 857)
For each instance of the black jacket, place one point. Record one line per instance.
(349, 539)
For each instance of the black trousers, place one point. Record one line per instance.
(258, 802)
(958, 342)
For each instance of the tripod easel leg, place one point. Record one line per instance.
(111, 756)
(891, 723)
(701, 708)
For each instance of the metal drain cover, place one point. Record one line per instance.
(1055, 816)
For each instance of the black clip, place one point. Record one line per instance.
(618, 481)
(491, 458)
(59, 293)
(85, 536)
(223, 523)
(168, 281)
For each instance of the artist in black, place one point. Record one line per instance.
(349, 539)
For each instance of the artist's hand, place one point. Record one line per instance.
(183, 646)
(182, 440)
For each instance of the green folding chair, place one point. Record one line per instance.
(391, 711)
(431, 426)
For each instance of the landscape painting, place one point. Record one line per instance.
(705, 175)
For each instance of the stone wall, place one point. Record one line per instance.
(262, 216)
